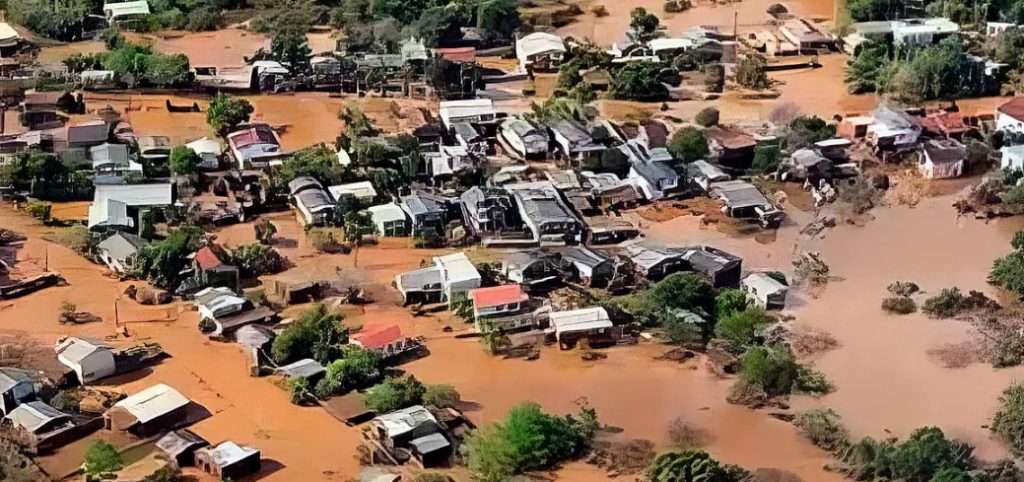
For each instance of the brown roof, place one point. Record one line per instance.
(657, 133)
(1014, 108)
(944, 123)
(730, 138)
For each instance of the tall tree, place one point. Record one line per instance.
(225, 113)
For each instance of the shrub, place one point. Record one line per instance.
(39, 210)
(254, 260)
(101, 460)
(316, 334)
(774, 370)
(812, 382)
(358, 368)
(207, 325)
(225, 113)
(707, 117)
(301, 393)
(395, 394)
(901, 305)
(184, 161)
(527, 439)
(766, 159)
(1008, 422)
(823, 428)
(742, 328)
(685, 436)
(325, 240)
(693, 466)
(950, 302)
(441, 396)
(688, 144)
(750, 72)
(903, 288)
(599, 11)
(204, 19)
(431, 477)
(1008, 272)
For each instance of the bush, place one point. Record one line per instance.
(903, 288)
(357, 369)
(527, 439)
(326, 240)
(316, 334)
(441, 396)
(822, 427)
(730, 301)
(301, 393)
(812, 382)
(685, 436)
(204, 19)
(395, 394)
(707, 117)
(751, 73)
(39, 210)
(254, 260)
(207, 325)
(1008, 422)
(1008, 272)
(766, 159)
(741, 329)
(431, 477)
(926, 453)
(900, 305)
(693, 466)
(225, 113)
(688, 144)
(184, 161)
(950, 302)
(773, 370)
(639, 81)
(101, 460)
(599, 11)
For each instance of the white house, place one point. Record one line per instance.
(219, 302)
(942, 159)
(574, 324)
(1012, 157)
(16, 386)
(472, 110)
(111, 202)
(526, 140)
(765, 291)
(125, 10)
(540, 51)
(993, 29)
(1010, 116)
(117, 250)
(460, 275)
(209, 151)
(150, 411)
(390, 219)
(38, 418)
(362, 190)
(90, 360)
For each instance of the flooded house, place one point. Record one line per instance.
(502, 308)
(704, 174)
(452, 276)
(180, 446)
(255, 146)
(314, 204)
(79, 137)
(655, 263)
(307, 368)
(472, 111)
(942, 159)
(909, 32)
(806, 36)
(412, 433)
(362, 191)
(45, 110)
(122, 205)
(730, 146)
(210, 269)
(118, 250)
(471, 139)
(528, 268)
(743, 200)
(228, 460)
(540, 52)
(524, 139)
(390, 219)
(949, 125)
(722, 269)
(1011, 157)
(148, 412)
(209, 152)
(427, 213)
(16, 387)
(610, 192)
(608, 230)
(573, 142)
(154, 150)
(388, 341)
(545, 214)
(1010, 115)
(214, 303)
(126, 12)
(592, 324)
(112, 161)
(650, 170)
(90, 360)
(764, 291)
(41, 426)
(806, 164)
(892, 129)
(583, 265)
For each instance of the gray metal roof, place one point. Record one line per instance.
(302, 369)
(303, 182)
(582, 255)
(428, 444)
(10, 377)
(122, 245)
(314, 199)
(654, 171)
(33, 415)
(739, 194)
(421, 203)
(177, 442)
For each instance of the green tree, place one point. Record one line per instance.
(868, 10)
(255, 259)
(639, 81)
(751, 72)
(1008, 271)
(166, 70)
(527, 439)
(766, 159)
(204, 19)
(1008, 422)
(395, 394)
(707, 117)
(316, 334)
(938, 72)
(693, 466)
(823, 428)
(730, 301)
(163, 262)
(806, 130)
(643, 25)
(101, 460)
(441, 396)
(951, 474)
(291, 48)
(438, 26)
(500, 18)
(184, 161)
(357, 225)
(688, 144)
(741, 328)
(225, 113)
(773, 370)
(870, 70)
(358, 368)
(1009, 47)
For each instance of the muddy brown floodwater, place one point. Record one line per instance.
(884, 379)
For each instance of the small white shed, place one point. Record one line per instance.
(90, 360)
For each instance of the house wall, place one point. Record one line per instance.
(1008, 123)
(99, 364)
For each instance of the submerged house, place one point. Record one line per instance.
(528, 268)
(91, 360)
(16, 387)
(704, 174)
(583, 265)
(721, 268)
(43, 426)
(764, 291)
(311, 200)
(451, 276)
(428, 213)
(540, 52)
(731, 147)
(743, 200)
(121, 205)
(573, 142)
(545, 214)
(942, 159)
(180, 446)
(524, 139)
(148, 412)
(112, 160)
(892, 128)
(254, 147)
(654, 263)
(501, 308)
(594, 324)
(117, 251)
(228, 460)
(390, 219)
(415, 430)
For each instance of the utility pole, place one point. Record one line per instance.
(735, 24)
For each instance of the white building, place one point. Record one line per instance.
(90, 360)
(540, 51)
(459, 274)
(472, 111)
(1010, 116)
(209, 151)
(214, 303)
(118, 249)
(524, 138)
(390, 219)
(111, 202)
(765, 291)
(574, 324)
(362, 190)
(1012, 157)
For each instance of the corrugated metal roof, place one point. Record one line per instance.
(583, 319)
(76, 349)
(33, 415)
(457, 267)
(153, 402)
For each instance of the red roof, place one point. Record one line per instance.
(497, 295)
(944, 123)
(206, 258)
(1014, 108)
(458, 54)
(255, 134)
(378, 338)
